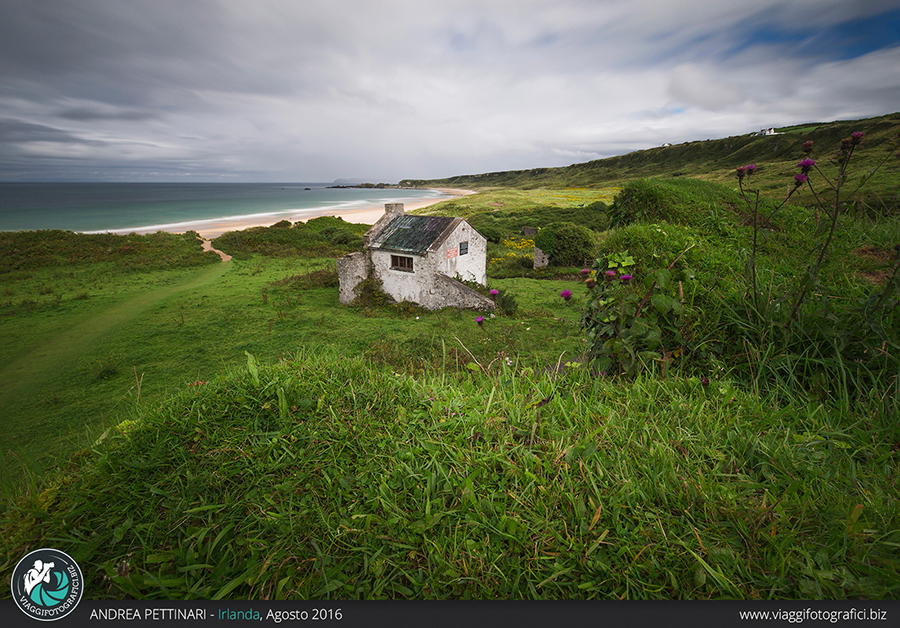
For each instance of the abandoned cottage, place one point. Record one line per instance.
(417, 259)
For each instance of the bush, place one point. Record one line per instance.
(506, 303)
(567, 244)
(656, 245)
(321, 237)
(345, 238)
(370, 293)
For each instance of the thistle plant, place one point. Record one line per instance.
(831, 197)
(846, 347)
(629, 327)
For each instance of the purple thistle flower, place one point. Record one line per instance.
(740, 171)
(585, 271)
(807, 146)
(566, 294)
(806, 165)
(480, 321)
(610, 274)
(856, 137)
(626, 278)
(750, 168)
(494, 293)
(800, 179)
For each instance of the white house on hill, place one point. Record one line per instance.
(417, 259)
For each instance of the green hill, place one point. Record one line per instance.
(708, 159)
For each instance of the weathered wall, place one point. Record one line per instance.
(451, 293)
(426, 285)
(352, 269)
(401, 284)
(473, 265)
(541, 259)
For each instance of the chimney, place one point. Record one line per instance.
(391, 211)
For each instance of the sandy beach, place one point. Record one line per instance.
(368, 215)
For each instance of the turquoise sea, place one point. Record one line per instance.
(97, 207)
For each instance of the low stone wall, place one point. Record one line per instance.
(452, 293)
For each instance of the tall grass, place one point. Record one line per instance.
(326, 477)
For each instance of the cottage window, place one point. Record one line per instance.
(399, 262)
(463, 247)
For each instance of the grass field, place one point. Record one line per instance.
(74, 364)
(190, 429)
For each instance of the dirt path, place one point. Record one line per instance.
(207, 246)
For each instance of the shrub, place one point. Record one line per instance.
(639, 200)
(341, 236)
(506, 303)
(370, 293)
(496, 226)
(321, 237)
(683, 201)
(656, 245)
(28, 250)
(567, 244)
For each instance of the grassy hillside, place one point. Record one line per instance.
(708, 409)
(326, 477)
(713, 160)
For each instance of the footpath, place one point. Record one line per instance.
(207, 246)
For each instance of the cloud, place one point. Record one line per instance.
(14, 131)
(284, 90)
(92, 113)
(691, 84)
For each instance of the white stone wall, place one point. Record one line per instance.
(403, 285)
(473, 265)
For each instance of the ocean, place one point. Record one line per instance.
(147, 207)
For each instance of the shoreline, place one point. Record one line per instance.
(212, 229)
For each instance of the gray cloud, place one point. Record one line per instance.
(286, 90)
(16, 131)
(84, 114)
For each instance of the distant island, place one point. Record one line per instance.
(374, 186)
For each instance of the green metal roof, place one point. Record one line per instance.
(413, 234)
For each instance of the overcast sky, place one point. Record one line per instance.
(313, 90)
